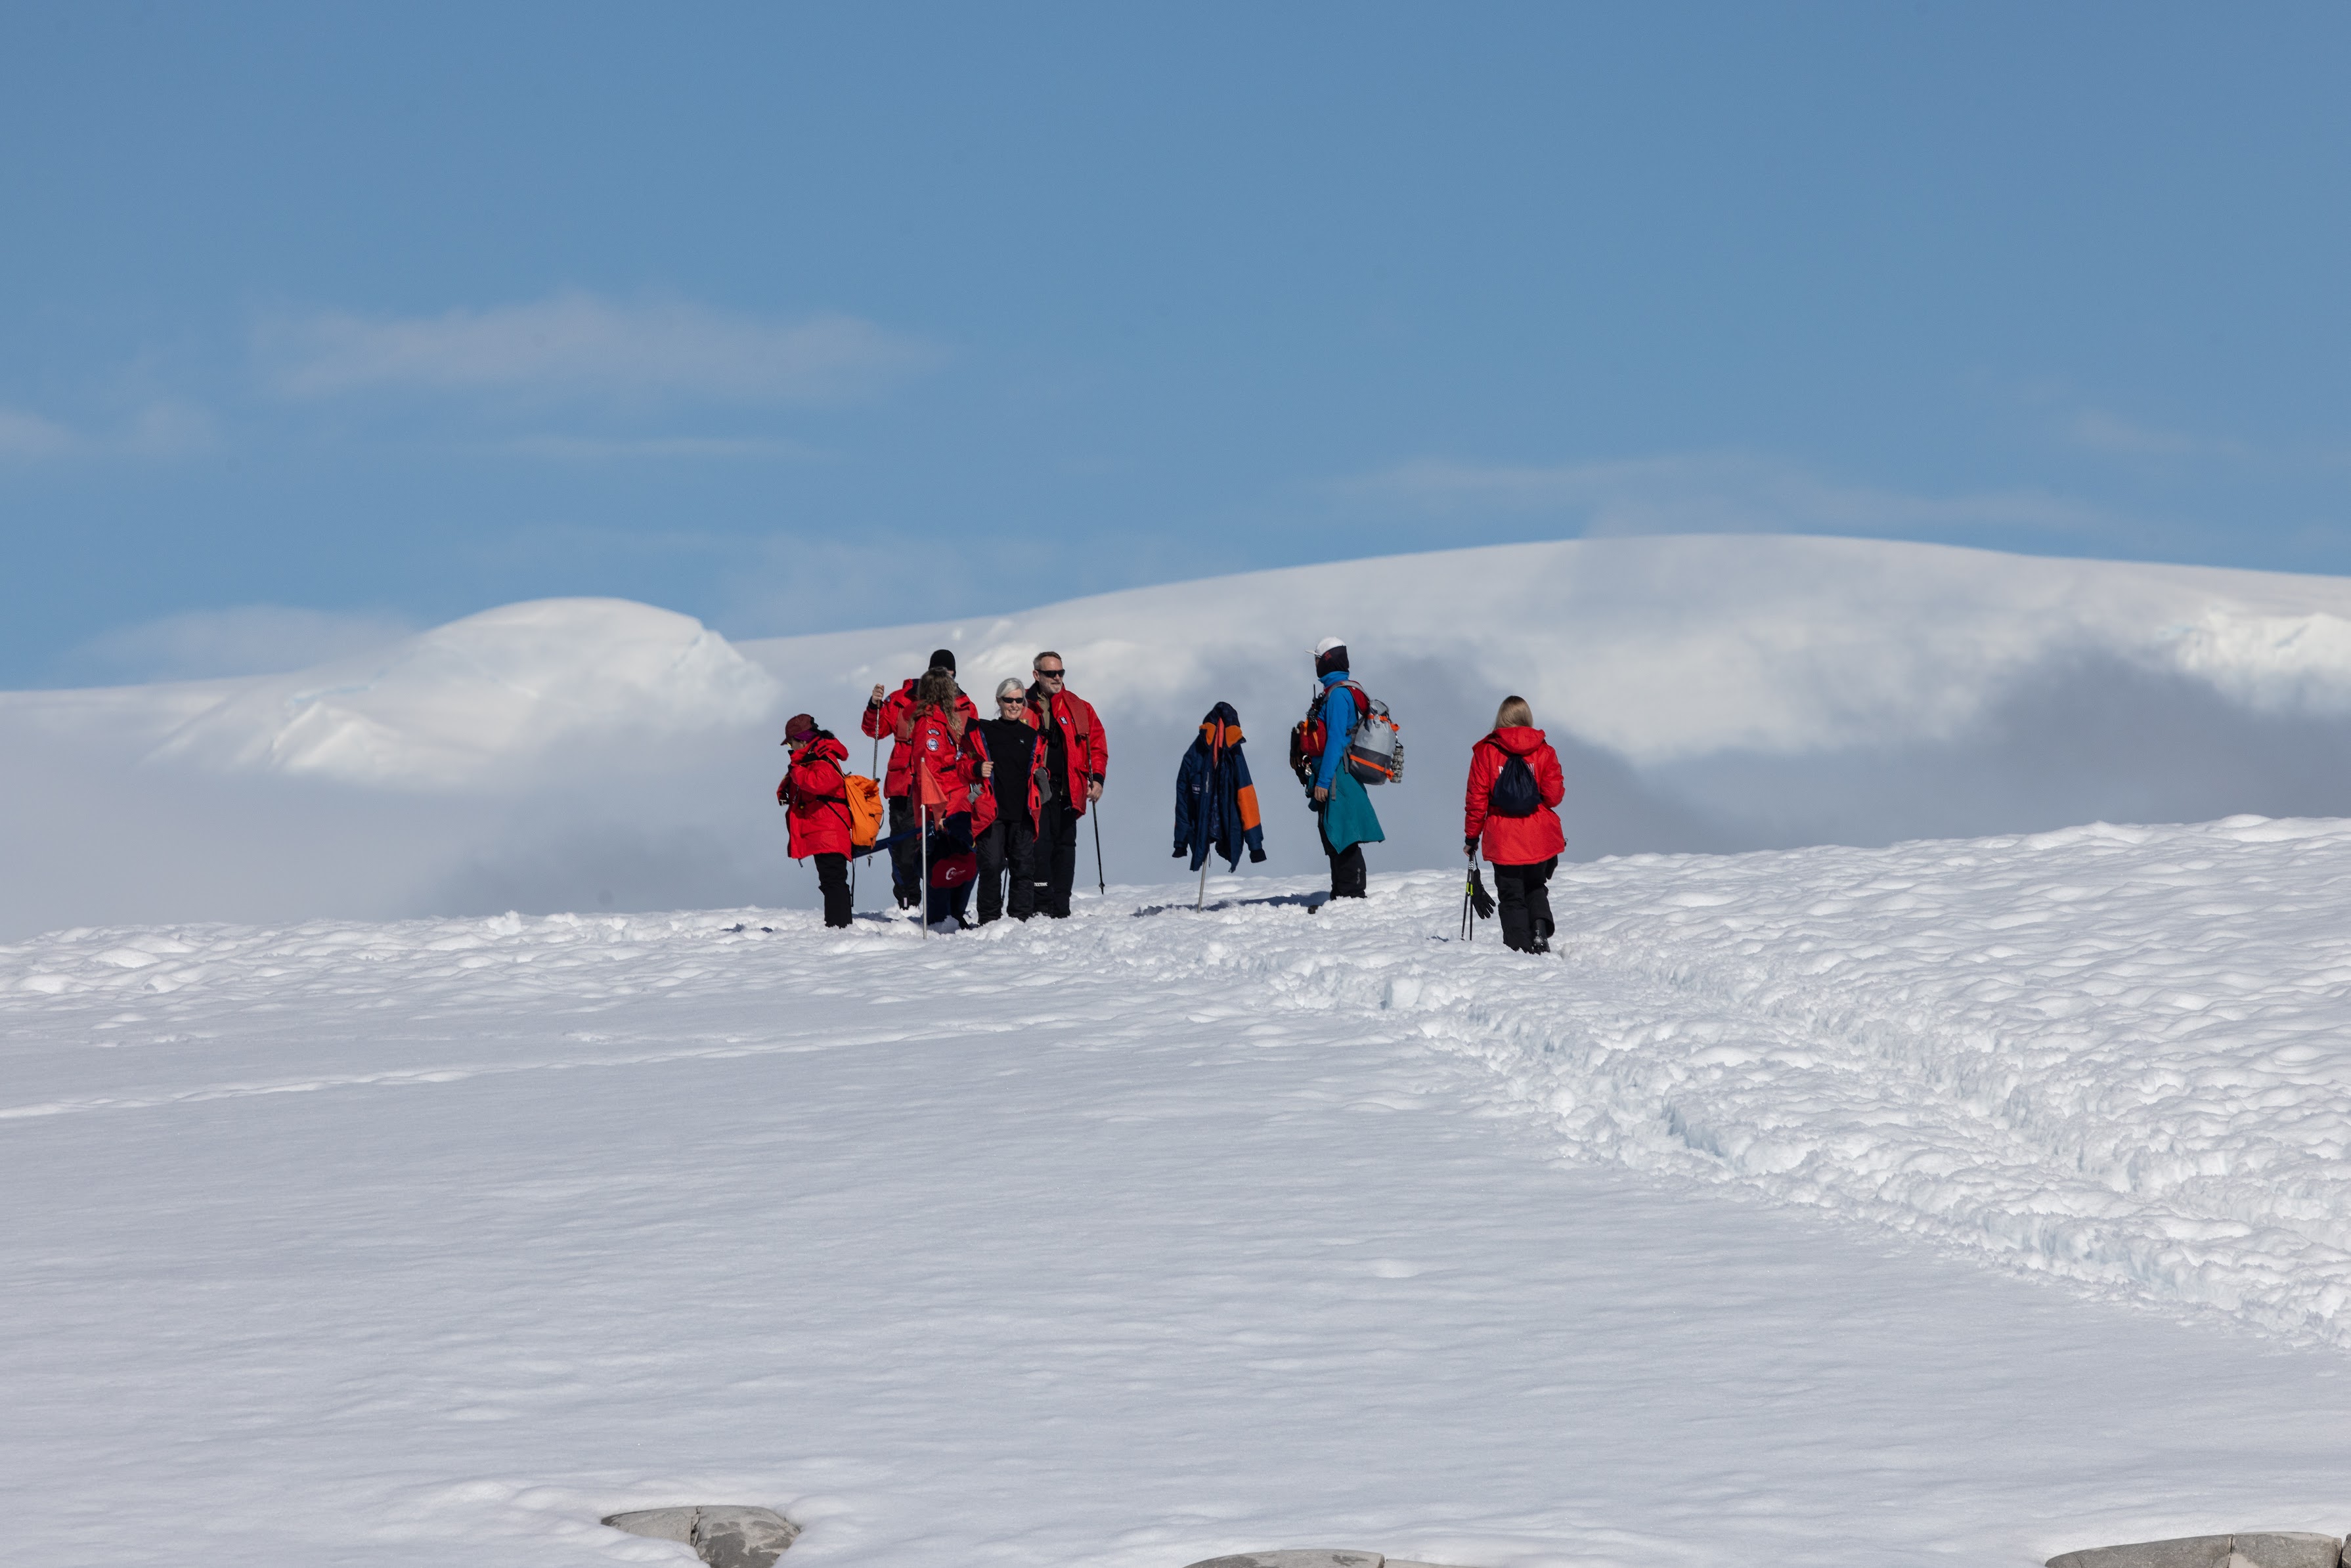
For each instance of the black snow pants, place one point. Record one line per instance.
(832, 880)
(1524, 894)
(1053, 861)
(1348, 874)
(905, 857)
(1008, 846)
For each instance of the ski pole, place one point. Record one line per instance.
(923, 825)
(1102, 886)
(1202, 902)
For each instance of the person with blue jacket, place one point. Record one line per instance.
(1342, 809)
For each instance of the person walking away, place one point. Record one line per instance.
(1215, 804)
(1512, 809)
(941, 771)
(1343, 817)
(1073, 758)
(816, 801)
(884, 710)
(1007, 751)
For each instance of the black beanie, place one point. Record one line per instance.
(941, 658)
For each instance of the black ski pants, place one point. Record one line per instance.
(1348, 874)
(1054, 858)
(905, 858)
(832, 880)
(1008, 846)
(1524, 894)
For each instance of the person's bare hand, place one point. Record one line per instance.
(878, 693)
(988, 768)
(1321, 794)
(1093, 791)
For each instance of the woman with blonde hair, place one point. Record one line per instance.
(1511, 810)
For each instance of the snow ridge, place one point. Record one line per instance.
(2116, 1056)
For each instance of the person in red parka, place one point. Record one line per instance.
(816, 801)
(1072, 757)
(943, 775)
(1511, 809)
(884, 710)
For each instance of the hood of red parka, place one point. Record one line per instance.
(1518, 739)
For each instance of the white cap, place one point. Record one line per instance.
(1328, 644)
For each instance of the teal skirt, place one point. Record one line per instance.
(1347, 816)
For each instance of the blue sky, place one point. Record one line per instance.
(320, 321)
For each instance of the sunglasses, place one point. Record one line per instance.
(1050, 674)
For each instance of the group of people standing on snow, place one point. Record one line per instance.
(972, 800)
(996, 803)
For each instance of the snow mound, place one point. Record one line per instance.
(449, 706)
(1658, 649)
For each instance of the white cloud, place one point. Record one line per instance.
(1707, 493)
(595, 449)
(250, 640)
(2099, 431)
(167, 427)
(25, 436)
(578, 345)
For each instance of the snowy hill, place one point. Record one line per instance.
(1706, 693)
(1958, 1202)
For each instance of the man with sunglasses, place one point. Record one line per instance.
(1070, 764)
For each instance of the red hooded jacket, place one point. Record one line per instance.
(886, 717)
(817, 800)
(1082, 742)
(1515, 841)
(925, 738)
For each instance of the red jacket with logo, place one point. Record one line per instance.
(1082, 742)
(1515, 841)
(887, 718)
(816, 799)
(928, 741)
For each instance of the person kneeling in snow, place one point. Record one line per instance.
(1510, 807)
(816, 801)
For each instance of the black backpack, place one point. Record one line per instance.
(1515, 792)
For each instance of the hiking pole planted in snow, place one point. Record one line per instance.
(1102, 886)
(1202, 902)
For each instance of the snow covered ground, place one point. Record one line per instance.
(1705, 693)
(1956, 1201)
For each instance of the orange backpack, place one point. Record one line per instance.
(865, 799)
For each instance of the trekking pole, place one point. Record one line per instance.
(923, 827)
(1202, 902)
(1468, 887)
(1101, 885)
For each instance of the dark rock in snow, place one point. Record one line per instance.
(722, 1535)
(2267, 1549)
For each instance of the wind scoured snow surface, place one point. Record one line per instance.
(1160, 1233)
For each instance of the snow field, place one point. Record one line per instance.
(1154, 1234)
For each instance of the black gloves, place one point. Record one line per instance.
(1480, 899)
